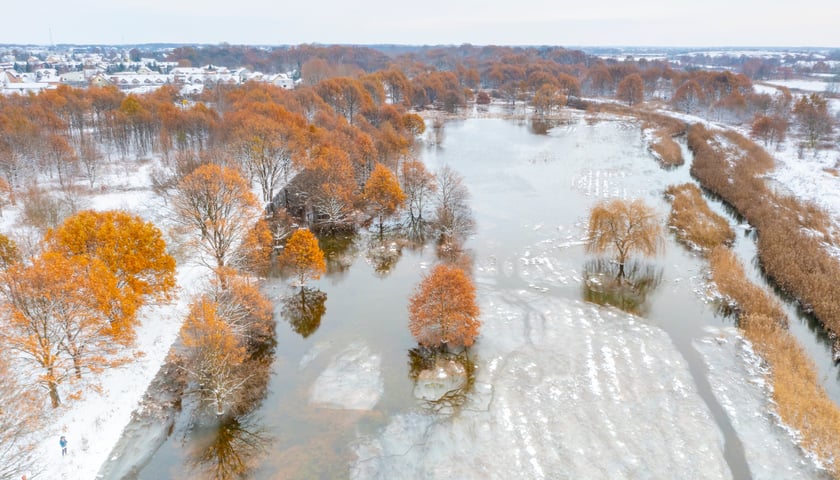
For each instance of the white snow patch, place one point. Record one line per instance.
(352, 381)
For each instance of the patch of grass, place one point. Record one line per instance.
(746, 297)
(694, 222)
(666, 149)
(792, 239)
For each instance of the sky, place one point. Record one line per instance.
(428, 22)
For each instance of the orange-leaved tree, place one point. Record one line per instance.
(132, 249)
(631, 89)
(218, 205)
(383, 193)
(9, 252)
(303, 256)
(443, 312)
(623, 227)
(57, 317)
(214, 355)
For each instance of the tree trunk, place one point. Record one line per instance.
(54, 398)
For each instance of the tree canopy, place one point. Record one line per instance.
(623, 227)
(303, 256)
(443, 311)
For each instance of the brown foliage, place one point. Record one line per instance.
(215, 354)
(729, 276)
(442, 312)
(59, 313)
(792, 233)
(694, 222)
(800, 399)
(216, 203)
(631, 89)
(771, 129)
(624, 227)
(666, 149)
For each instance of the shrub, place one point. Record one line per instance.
(694, 222)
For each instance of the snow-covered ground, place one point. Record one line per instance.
(804, 85)
(93, 424)
(812, 177)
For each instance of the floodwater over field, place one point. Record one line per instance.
(557, 386)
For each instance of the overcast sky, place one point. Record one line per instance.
(512, 22)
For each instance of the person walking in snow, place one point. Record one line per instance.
(63, 443)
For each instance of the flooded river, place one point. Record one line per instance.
(556, 386)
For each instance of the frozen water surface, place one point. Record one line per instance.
(577, 392)
(352, 381)
(738, 381)
(562, 388)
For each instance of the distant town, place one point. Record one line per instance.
(141, 69)
(44, 69)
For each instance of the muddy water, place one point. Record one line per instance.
(530, 194)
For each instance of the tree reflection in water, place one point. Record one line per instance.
(417, 232)
(603, 284)
(303, 310)
(231, 446)
(339, 252)
(384, 251)
(229, 449)
(442, 380)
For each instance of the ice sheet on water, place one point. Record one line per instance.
(352, 381)
(738, 382)
(577, 392)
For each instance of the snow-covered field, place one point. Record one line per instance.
(812, 177)
(804, 85)
(738, 379)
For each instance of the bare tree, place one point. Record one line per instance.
(454, 220)
(20, 414)
(418, 185)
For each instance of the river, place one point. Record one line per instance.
(558, 387)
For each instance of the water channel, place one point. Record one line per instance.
(341, 402)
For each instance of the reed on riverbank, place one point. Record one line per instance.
(694, 223)
(801, 401)
(794, 236)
